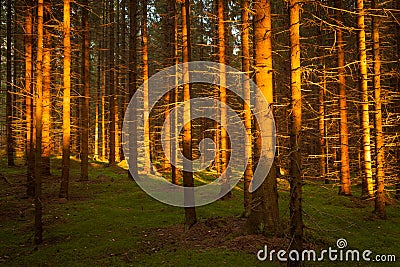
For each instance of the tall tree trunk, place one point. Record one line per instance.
(222, 96)
(344, 133)
(321, 124)
(248, 175)
(264, 215)
(188, 181)
(132, 160)
(174, 100)
(295, 205)
(398, 91)
(379, 137)
(145, 59)
(66, 101)
(46, 141)
(85, 82)
(38, 238)
(367, 182)
(30, 157)
(113, 106)
(9, 98)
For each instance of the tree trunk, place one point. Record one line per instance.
(379, 137)
(398, 91)
(188, 182)
(46, 140)
(344, 133)
(9, 98)
(222, 96)
(38, 238)
(264, 215)
(145, 58)
(66, 101)
(367, 182)
(113, 106)
(30, 157)
(295, 205)
(85, 82)
(132, 160)
(174, 100)
(248, 175)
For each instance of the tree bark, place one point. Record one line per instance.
(132, 160)
(188, 181)
(30, 157)
(66, 101)
(344, 133)
(367, 182)
(9, 87)
(264, 215)
(222, 96)
(85, 102)
(113, 106)
(38, 238)
(248, 175)
(46, 140)
(295, 205)
(145, 59)
(379, 136)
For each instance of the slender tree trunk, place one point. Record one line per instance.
(30, 190)
(174, 101)
(321, 124)
(145, 59)
(132, 160)
(188, 181)
(38, 238)
(248, 175)
(264, 215)
(367, 182)
(379, 137)
(344, 133)
(66, 101)
(295, 205)
(398, 91)
(113, 106)
(85, 82)
(222, 96)
(9, 98)
(46, 141)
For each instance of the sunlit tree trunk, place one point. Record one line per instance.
(367, 182)
(190, 212)
(112, 89)
(145, 59)
(222, 97)
(344, 133)
(133, 166)
(379, 137)
(295, 205)
(248, 175)
(38, 238)
(30, 191)
(46, 140)
(85, 102)
(174, 101)
(398, 90)
(9, 104)
(264, 214)
(66, 101)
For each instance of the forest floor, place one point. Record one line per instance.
(110, 221)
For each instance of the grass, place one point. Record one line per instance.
(105, 219)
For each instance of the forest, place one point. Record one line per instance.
(203, 133)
